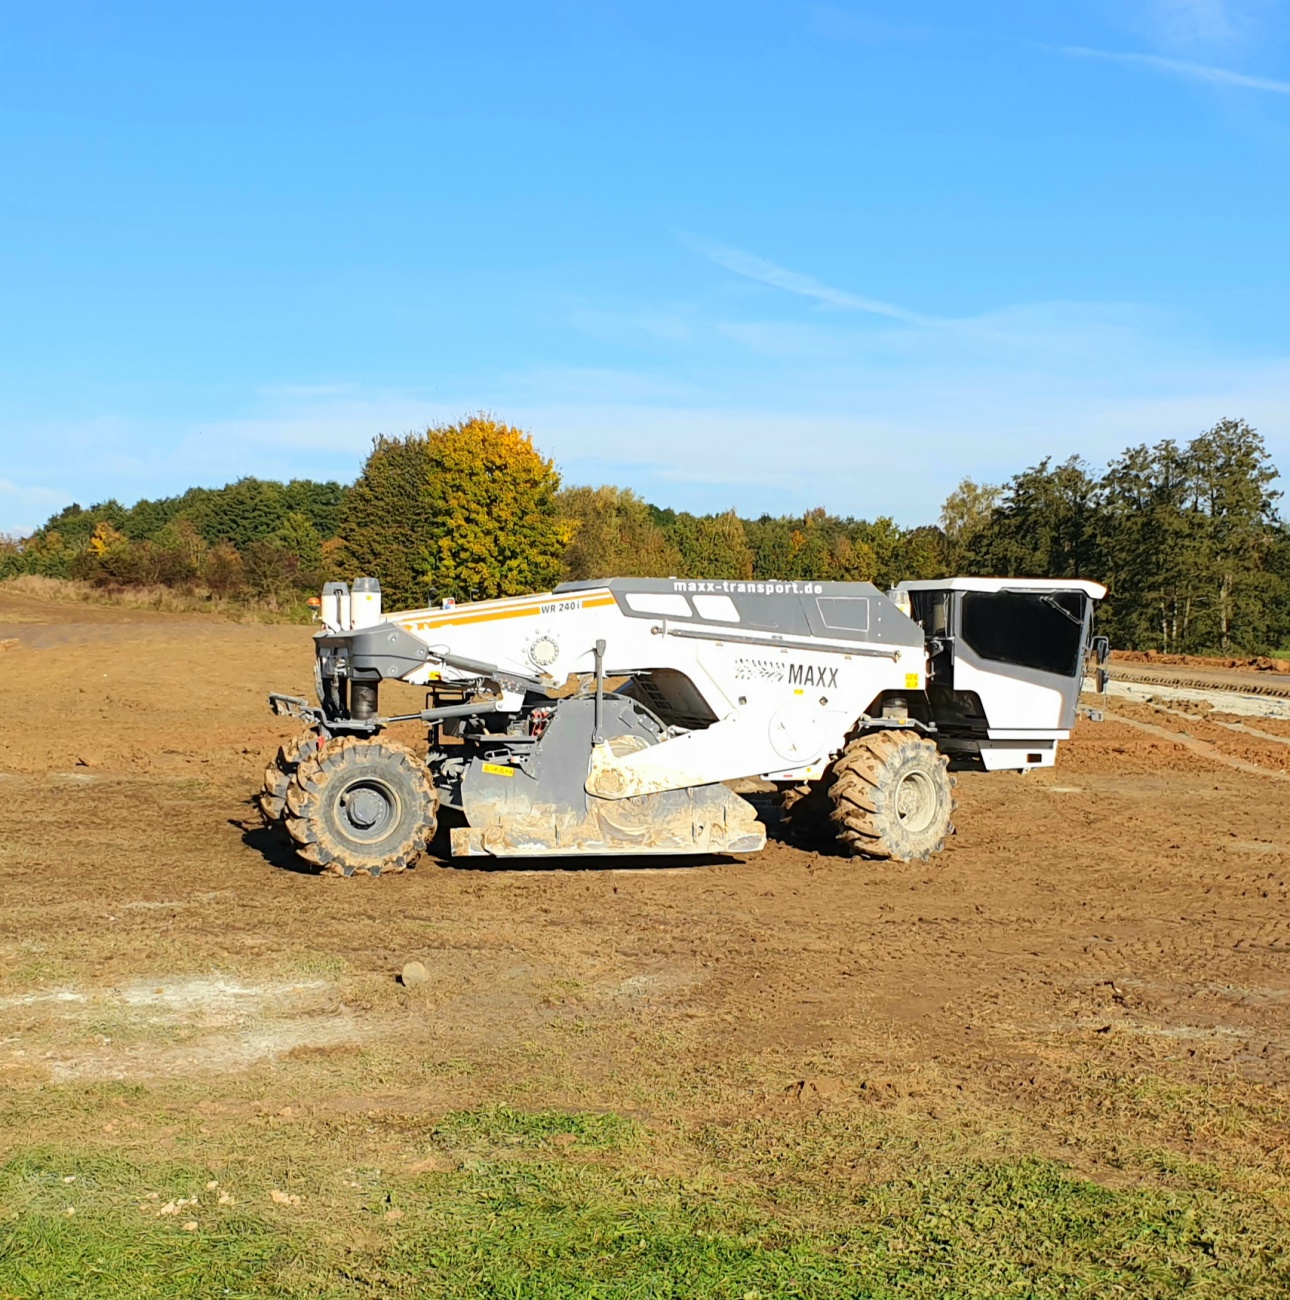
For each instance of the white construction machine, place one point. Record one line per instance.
(610, 717)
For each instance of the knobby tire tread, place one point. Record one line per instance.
(313, 839)
(865, 825)
(277, 776)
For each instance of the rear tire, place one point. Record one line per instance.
(804, 812)
(361, 807)
(892, 797)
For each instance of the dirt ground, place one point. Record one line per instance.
(1123, 916)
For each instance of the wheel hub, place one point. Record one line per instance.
(368, 809)
(916, 801)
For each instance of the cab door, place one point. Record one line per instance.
(1022, 652)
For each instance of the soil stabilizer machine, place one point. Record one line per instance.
(612, 717)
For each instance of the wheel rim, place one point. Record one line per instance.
(916, 801)
(368, 810)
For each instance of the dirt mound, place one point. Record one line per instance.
(1255, 663)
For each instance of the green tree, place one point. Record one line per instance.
(614, 535)
(716, 547)
(463, 510)
(183, 553)
(298, 536)
(1048, 524)
(46, 553)
(271, 572)
(816, 546)
(885, 540)
(75, 526)
(925, 553)
(241, 513)
(320, 503)
(853, 561)
(391, 519)
(966, 513)
(771, 542)
(10, 558)
(811, 540)
(1232, 477)
(1277, 564)
(145, 519)
(1150, 539)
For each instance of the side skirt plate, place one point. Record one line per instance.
(707, 819)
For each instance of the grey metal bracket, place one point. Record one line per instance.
(295, 706)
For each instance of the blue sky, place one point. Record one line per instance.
(757, 255)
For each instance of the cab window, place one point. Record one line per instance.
(1040, 630)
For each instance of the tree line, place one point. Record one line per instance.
(1185, 535)
(253, 539)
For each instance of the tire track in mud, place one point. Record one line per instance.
(1201, 682)
(1202, 747)
(1210, 721)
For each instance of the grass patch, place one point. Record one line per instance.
(501, 1126)
(527, 1214)
(88, 1237)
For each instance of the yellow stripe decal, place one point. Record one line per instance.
(452, 619)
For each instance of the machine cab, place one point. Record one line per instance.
(1006, 662)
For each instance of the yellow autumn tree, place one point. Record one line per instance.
(466, 510)
(104, 539)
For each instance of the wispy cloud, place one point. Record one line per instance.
(22, 507)
(752, 267)
(1205, 22)
(800, 413)
(1196, 71)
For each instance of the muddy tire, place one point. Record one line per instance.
(804, 811)
(277, 776)
(892, 797)
(361, 807)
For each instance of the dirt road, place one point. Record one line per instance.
(1125, 912)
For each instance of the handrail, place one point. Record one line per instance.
(703, 634)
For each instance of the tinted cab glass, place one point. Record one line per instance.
(1040, 631)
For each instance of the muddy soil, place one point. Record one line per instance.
(1127, 909)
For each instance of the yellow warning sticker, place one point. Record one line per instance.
(911, 681)
(497, 769)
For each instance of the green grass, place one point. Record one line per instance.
(550, 1205)
(502, 1126)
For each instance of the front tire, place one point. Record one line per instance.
(277, 776)
(361, 807)
(892, 797)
